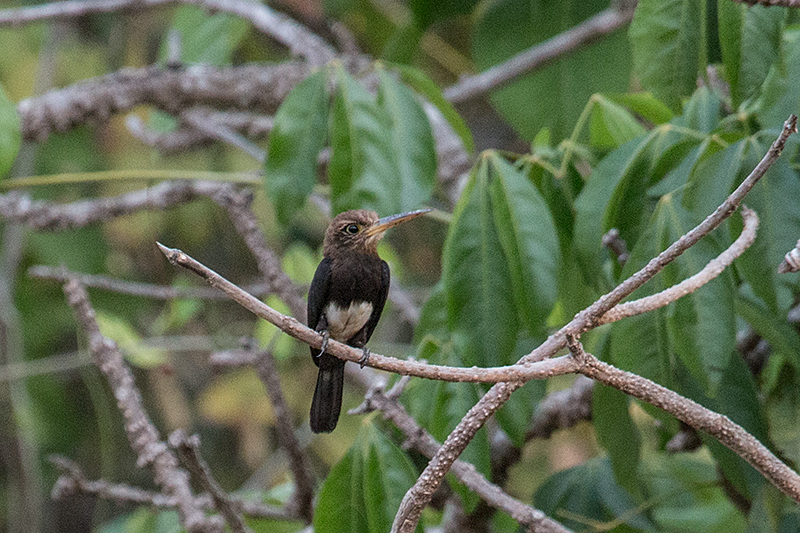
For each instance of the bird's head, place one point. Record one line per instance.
(360, 230)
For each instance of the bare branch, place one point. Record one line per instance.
(516, 373)
(719, 426)
(146, 290)
(299, 39)
(422, 441)
(142, 434)
(713, 269)
(540, 55)
(252, 88)
(562, 409)
(237, 203)
(188, 449)
(418, 496)
(217, 130)
(298, 460)
(771, 3)
(42, 215)
(72, 480)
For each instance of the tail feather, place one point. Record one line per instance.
(327, 400)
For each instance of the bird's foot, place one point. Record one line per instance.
(364, 357)
(325, 338)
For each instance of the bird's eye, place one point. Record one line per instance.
(352, 229)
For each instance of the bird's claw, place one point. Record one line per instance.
(325, 338)
(364, 357)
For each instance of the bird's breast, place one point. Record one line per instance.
(344, 322)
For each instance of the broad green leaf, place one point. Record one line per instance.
(297, 137)
(363, 170)
(750, 38)
(529, 240)
(412, 142)
(426, 13)
(701, 112)
(420, 82)
(645, 104)
(666, 39)
(701, 326)
(617, 433)
(783, 411)
(10, 137)
(477, 282)
(363, 491)
(780, 96)
(687, 495)
(712, 179)
(589, 493)
(204, 38)
(555, 95)
(611, 125)
(597, 204)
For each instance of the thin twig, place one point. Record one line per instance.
(237, 203)
(217, 130)
(540, 55)
(188, 449)
(713, 269)
(298, 460)
(142, 434)
(134, 288)
(72, 480)
(418, 496)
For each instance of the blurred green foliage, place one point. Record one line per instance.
(617, 135)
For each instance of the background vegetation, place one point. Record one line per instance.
(645, 129)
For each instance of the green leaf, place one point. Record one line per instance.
(204, 38)
(516, 414)
(701, 326)
(130, 342)
(476, 277)
(645, 104)
(611, 125)
(666, 38)
(529, 241)
(420, 82)
(411, 140)
(701, 112)
(750, 38)
(363, 491)
(598, 206)
(589, 493)
(617, 433)
(363, 170)
(779, 96)
(553, 96)
(10, 137)
(426, 13)
(297, 137)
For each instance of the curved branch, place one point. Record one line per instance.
(418, 496)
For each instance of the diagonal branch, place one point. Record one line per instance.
(418, 496)
(142, 434)
(540, 55)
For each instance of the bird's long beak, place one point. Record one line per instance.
(388, 222)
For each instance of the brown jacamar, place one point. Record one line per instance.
(346, 299)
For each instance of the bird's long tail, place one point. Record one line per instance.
(327, 400)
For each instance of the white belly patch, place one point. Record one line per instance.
(343, 323)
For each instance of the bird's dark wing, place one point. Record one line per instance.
(318, 292)
(377, 305)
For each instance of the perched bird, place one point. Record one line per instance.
(346, 299)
